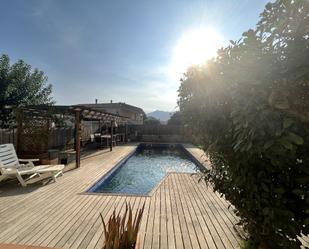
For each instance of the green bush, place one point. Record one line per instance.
(249, 109)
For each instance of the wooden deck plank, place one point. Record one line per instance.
(81, 229)
(40, 218)
(93, 235)
(53, 221)
(225, 216)
(168, 216)
(208, 220)
(142, 231)
(23, 215)
(199, 225)
(47, 228)
(182, 221)
(223, 221)
(35, 205)
(208, 232)
(131, 201)
(54, 209)
(177, 233)
(163, 219)
(191, 223)
(41, 191)
(223, 231)
(157, 222)
(180, 214)
(150, 223)
(32, 214)
(52, 232)
(143, 228)
(73, 228)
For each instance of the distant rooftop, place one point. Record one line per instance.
(115, 105)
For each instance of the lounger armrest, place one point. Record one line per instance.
(28, 160)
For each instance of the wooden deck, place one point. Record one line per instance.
(181, 213)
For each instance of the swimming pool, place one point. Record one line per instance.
(141, 171)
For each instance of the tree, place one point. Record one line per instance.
(20, 86)
(175, 119)
(151, 121)
(249, 109)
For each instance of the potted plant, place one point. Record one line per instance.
(121, 231)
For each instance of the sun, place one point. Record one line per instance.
(195, 47)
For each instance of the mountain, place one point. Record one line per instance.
(161, 115)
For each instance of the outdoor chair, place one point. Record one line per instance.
(12, 167)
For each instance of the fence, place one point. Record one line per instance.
(159, 133)
(64, 137)
(61, 137)
(57, 137)
(158, 129)
(8, 136)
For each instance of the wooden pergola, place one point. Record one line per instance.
(78, 111)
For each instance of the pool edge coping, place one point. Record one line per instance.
(124, 159)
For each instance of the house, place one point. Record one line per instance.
(135, 114)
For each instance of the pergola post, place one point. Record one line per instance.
(77, 137)
(112, 134)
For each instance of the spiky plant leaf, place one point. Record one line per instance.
(122, 230)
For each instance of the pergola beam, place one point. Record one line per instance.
(80, 112)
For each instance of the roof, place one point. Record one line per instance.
(119, 105)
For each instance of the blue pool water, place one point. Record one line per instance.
(145, 169)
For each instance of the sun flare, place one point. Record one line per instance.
(195, 47)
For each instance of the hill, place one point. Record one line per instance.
(161, 115)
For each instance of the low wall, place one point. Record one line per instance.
(159, 134)
(163, 138)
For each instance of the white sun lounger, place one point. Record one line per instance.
(12, 167)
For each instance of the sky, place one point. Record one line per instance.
(132, 51)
